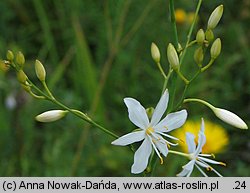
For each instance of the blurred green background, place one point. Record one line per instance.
(96, 53)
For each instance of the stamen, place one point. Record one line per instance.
(212, 155)
(149, 130)
(223, 164)
(166, 127)
(161, 160)
(209, 168)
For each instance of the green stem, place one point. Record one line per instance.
(182, 77)
(199, 101)
(47, 89)
(73, 111)
(167, 79)
(173, 22)
(190, 31)
(208, 65)
(161, 70)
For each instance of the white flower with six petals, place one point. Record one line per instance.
(150, 132)
(198, 159)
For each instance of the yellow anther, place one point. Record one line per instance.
(223, 164)
(209, 168)
(149, 130)
(168, 145)
(212, 155)
(161, 160)
(166, 127)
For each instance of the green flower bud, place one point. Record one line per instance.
(21, 76)
(215, 17)
(10, 55)
(200, 36)
(173, 57)
(209, 35)
(150, 112)
(215, 48)
(198, 56)
(40, 71)
(20, 59)
(155, 53)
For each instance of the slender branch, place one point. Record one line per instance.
(190, 31)
(173, 22)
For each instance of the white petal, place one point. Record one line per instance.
(129, 138)
(187, 169)
(141, 157)
(50, 116)
(190, 142)
(210, 161)
(137, 113)
(162, 146)
(230, 118)
(202, 138)
(172, 121)
(160, 108)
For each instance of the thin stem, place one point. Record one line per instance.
(190, 31)
(161, 70)
(47, 89)
(173, 22)
(178, 153)
(165, 84)
(199, 101)
(182, 77)
(208, 65)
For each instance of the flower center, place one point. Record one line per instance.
(149, 130)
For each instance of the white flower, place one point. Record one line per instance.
(197, 158)
(230, 118)
(50, 116)
(150, 132)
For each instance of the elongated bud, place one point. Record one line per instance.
(215, 17)
(215, 48)
(50, 116)
(230, 118)
(200, 36)
(209, 35)
(10, 55)
(198, 55)
(40, 71)
(155, 53)
(150, 112)
(173, 57)
(20, 59)
(21, 76)
(26, 87)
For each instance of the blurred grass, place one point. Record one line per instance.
(97, 53)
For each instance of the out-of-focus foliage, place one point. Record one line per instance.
(96, 53)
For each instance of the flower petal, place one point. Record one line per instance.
(187, 169)
(190, 142)
(172, 121)
(162, 147)
(160, 108)
(137, 113)
(129, 138)
(141, 157)
(202, 138)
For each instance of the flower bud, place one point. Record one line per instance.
(50, 116)
(215, 48)
(155, 53)
(10, 55)
(26, 87)
(173, 57)
(200, 36)
(21, 76)
(20, 59)
(215, 17)
(198, 55)
(209, 35)
(230, 118)
(150, 112)
(40, 71)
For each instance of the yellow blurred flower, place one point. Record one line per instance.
(180, 16)
(216, 136)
